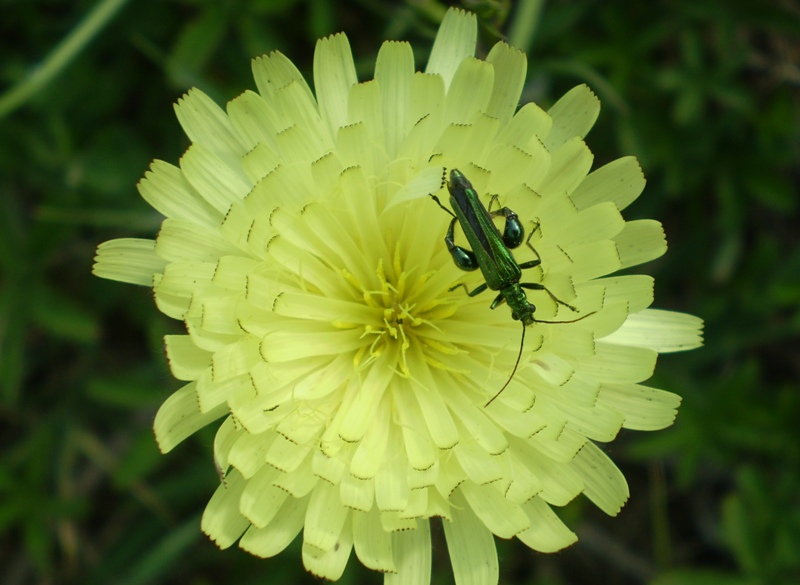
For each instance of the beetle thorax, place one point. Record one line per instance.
(521, 309)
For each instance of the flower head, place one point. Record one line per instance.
(305, 256)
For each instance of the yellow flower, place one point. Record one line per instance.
(305, 256)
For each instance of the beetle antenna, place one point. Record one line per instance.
(570, 321)
(436, 199)
(514, 371)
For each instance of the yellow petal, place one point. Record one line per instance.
(620, 181)
(325, 517)
(573, 115)
(471, 547)
(394, 72)
(334, 75)
(186, 360)
(645, 409)
(662, 331)
(373, 545)
(547, 533)
(206, 124)
(412, 556)
(454, 42)
(128, 260)
(180, 417)
(510, 65)
(221, 520)
(167, 190)
(605, 485)
(277, 535)
(640, 241)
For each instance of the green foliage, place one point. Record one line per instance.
(705, 93)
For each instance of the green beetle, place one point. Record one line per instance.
(491, 252)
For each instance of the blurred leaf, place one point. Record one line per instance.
(140, 459)
(61, 55)
(135, 221)
(129, 389)
(13, 326)
(322, 18)
(773, 191)
(271, 7)
(198, 41)
(156, 563)
(38, 544)
(61, 317)
(524, 25)
(111, 163)
(13, 306)
(739, 534)
(703, 577)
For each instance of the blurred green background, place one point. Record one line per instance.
(704, 92)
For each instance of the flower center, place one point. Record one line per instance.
(398, 321)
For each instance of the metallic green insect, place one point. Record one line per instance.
(491, 252)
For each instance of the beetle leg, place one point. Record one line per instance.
(528, 242)
(498, 300)
(463, 258)
(513, 232)
(439, 203)
(538, 286)
(529, 264)
(475, 292)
